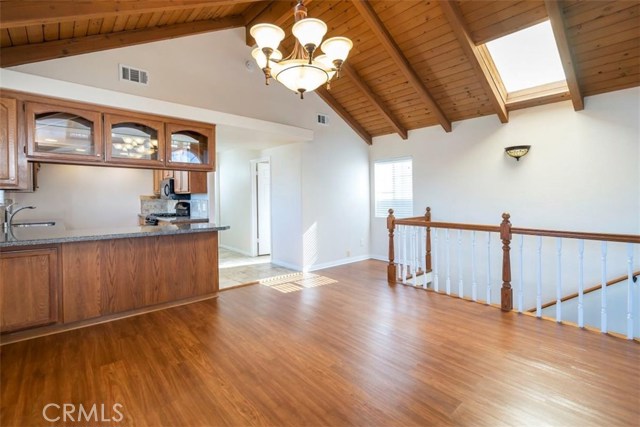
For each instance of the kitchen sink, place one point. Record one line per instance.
(34, 224)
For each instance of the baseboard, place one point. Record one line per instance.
(286, 265)
(329, 264)
(336, 263)
(231, 248)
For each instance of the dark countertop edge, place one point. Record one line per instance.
(158, 231)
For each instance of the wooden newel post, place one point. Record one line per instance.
(506, 293)
(427, 218)
(391, 268)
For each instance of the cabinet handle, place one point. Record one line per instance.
(98, 155)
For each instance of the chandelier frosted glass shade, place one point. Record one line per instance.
(337, 48)
(261, 58)
(300, 76)
(327, 64)
(267, 36)
(309, 31)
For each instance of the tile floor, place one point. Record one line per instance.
(238, 269)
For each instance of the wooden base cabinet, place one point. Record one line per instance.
(107, 277)
(29, 288)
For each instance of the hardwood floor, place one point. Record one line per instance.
(355, 352)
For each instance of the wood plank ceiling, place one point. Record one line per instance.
(415, 63)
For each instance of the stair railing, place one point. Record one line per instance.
(419, 262)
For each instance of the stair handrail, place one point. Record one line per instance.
(587, 291)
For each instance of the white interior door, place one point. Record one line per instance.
(263, 202)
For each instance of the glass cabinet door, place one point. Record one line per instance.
(191, 146)
(133, 140)
(64, 133)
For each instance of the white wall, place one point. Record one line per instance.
(86, 196)
(335, 196)
(205, 70)
(286, 204)
(234, 176)
(581, 173)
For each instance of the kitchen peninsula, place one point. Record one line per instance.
(56, 279)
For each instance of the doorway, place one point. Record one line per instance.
(261, 197)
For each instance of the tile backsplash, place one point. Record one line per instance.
(199, 206)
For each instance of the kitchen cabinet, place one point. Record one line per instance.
(29, 288)
(134, 140)
(185, 182)
(13, 163)
(190, 146)
(63, 133)
(70, 132)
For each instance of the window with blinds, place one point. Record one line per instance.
(394, 187)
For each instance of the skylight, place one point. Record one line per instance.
(527, 58)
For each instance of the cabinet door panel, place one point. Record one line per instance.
(61, 133)
(8, 143)
(29, 288)
(135, 141)
(190, 147)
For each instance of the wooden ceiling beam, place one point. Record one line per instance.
(554, 10)
(25, 54)
(277, 13)
(17, 13)
(378, 28)
(460, 28)
(374, 99)
(254, 10)
(339, 109)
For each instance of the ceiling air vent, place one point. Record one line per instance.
(323, 119)
(135, 75)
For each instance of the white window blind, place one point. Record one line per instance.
(394, 187)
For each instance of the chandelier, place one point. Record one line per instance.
(300, 71)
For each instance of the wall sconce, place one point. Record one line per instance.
(517, 151)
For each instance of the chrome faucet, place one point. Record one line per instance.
(10, 213)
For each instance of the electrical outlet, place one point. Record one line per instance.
(348, 253)
(361, 243)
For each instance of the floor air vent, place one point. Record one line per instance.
(135, 75)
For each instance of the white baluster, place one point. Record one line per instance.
(603, 293)
(629, 291)
(460, 283)
(488, 268)
(410, 231)
(539, 281)
(423, 256)
(448, 261)
(559, 281)
(414, 261)
(404, 254)
(436, 280)
(474, 284)
(581, 283)
(521, 287)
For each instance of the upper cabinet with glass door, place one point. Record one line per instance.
(133, 140)
(190, 147)
(61, 133)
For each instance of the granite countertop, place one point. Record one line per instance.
(27, 236)
(178, 219)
